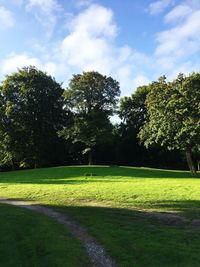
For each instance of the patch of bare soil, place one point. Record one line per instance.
(167, 218)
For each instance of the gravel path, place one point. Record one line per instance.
(95, 251)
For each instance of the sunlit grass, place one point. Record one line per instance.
(108, 201)
(106, 186)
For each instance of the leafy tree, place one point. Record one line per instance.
(132, 112)
(174, 115)
(32, 108)
(133, 109)
(91, 98)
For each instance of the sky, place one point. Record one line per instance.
(134, 41)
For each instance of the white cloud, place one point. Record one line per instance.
(130, 79)
(16, 61)
(90, 46)
(56, 69)
(45, 12)
(178, 13)
(166, 63)
(185, 67)
(140, 79)
(159, 6)
(47, 7)
(182, 40)
(6, 18)
(95, 21)
(17, 2)
(87, 47)
(82, 3)
(13, 62)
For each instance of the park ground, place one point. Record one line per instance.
(117, 205)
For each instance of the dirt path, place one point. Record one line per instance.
(95, 251)
(169, 218)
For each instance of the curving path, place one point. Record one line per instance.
(95, 251)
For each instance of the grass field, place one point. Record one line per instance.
(29, 239)
(108, 201)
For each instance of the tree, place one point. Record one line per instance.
(132, 112)
(133, 109)
(173, 111)
(32, 115)
(91, 98)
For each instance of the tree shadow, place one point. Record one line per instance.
(75, 175)
(133, 238)
(188, 208)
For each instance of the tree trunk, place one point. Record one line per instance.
(198, 164)
(190, 161)
(12, 165)
(90, 157)
(35, 165)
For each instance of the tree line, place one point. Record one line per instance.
(42, 124)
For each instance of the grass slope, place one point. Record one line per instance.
(107, 202)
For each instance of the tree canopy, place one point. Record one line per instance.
(132, 109)
(41, 124)
(91, 98)
(32, 108)
(173, 111)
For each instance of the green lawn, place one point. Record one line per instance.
(28, 239)
(109, 202)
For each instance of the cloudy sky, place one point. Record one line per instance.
(134, 41)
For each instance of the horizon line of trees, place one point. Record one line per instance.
(42, 124)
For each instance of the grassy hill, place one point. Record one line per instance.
(115, 204)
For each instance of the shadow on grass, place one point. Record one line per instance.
(32, 239)
(75, 175)
(134, 239)
(189, 208)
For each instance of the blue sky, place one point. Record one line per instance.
(134, 41)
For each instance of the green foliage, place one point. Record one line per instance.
(133, 114)
(173, 113)
(92, 91)
(34, 110)
(133, 109)
(32, 113)
(90, 99)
